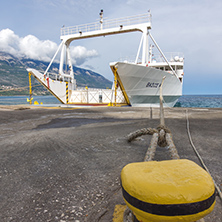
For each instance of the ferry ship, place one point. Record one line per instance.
(140, 82)
(136, 83)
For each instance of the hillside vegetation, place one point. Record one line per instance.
(14, 77)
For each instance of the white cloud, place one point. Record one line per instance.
(80, 54)
(9, 42)
(33, 48)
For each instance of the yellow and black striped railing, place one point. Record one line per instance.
(67, 93)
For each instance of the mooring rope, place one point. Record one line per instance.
(144, 131)
(199, 157)
(196, 152)
(152, 148)
(162, 137)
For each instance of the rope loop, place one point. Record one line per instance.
(141, 132)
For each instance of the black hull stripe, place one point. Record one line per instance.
(169, 209)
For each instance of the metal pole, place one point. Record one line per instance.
(163, 55)
(70, 62)
(115, 84)
(53, 58)
(67, 92)
(162, 122)
(144, 47)
(62, 59)
(138, 52)
(101, 19)
(30, 89)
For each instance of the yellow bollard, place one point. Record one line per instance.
(171, 190)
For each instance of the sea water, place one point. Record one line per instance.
(22, 100)
(205, 101)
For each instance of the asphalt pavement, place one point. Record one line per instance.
(61, 164)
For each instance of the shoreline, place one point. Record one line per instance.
(185, 101)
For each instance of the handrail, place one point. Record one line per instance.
(106, 24)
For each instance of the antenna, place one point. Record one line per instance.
(101, 18)
(150, 15)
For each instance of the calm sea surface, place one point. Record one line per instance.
(207, 101)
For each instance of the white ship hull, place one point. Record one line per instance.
(141, 84)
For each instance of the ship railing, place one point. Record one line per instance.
(130, 59)
(171, 57)
(93, 95)
(107, 24)
(91, 89)
(57, 77)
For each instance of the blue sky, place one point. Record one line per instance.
(32, 27)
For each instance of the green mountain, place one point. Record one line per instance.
(14, 77)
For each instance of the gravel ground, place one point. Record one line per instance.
(64, 164)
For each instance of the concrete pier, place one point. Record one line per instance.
(61, 164)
